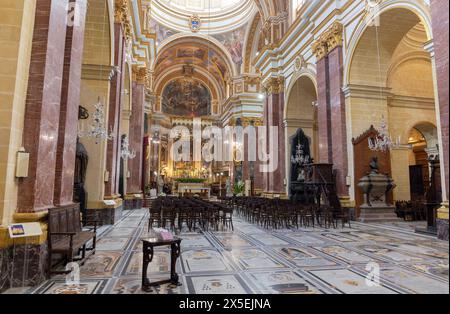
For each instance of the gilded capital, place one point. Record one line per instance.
(335, 35)
(330, 39)
(122, 16)
(274, 85)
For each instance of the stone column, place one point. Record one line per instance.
(137, 136)
(70, 102)
(43, 105)
(40, 139)
(331, 110)
(338, 127)
(440, 21)
(275, 181)
(323, 111)
(115, 104)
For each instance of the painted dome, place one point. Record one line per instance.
(217, 16)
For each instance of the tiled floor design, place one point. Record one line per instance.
(254, 260)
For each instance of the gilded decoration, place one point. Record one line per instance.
(122, 16)
(274, 85)
(329, 40)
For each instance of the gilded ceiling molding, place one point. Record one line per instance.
(122, 16)
(330, 39)
(274, 85)
(250, 41)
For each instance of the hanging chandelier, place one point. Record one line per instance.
(300, 158)
(383, 141)
(97, 129)
(125, 151)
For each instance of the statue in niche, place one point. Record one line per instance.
(81, 164)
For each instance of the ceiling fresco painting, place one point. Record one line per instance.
(186, 97)
(234, 43)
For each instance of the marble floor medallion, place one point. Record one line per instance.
(303, 258)
(282, 282)
(160, 264)
(345, 254)
(60, 287)
(226, 284)
(203, 261)
(349, 282)
(255, 259)
(101, 264)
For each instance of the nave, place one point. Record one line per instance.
(254, 260)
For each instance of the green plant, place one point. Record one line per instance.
(239, 188)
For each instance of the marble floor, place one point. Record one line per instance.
(252, 260)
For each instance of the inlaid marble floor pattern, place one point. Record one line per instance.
(253, 260)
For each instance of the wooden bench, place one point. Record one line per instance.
(66, 236)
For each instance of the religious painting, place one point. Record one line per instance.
(234, 42)
(186, 97)
(216, 61)
(190, 53)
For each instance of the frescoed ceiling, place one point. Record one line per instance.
(196, 54)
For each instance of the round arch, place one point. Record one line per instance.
(209, 41)
(305, 72)
(419, 9)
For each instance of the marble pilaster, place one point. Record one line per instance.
(338, 123)
(115, 103)
(36, 192)
(70, 102)
(134, 184)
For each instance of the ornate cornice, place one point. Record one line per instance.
(329, 40)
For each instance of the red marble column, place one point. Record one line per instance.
(43, 105)
(440, 21)
(70, 102)
(136, 138)
(274, 117)
(115, 105)
(324, 112)
(338, 120)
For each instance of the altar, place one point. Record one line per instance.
(193, 189)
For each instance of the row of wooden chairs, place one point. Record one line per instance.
(195, 213)
(411, 210)
(278, 213)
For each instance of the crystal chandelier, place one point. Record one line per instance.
(125, 152)
(98, 130)
(383, 141)
(300, 158)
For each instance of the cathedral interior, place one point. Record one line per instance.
(260, 146)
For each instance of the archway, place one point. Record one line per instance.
(390, 77)
(424, 145)
(301, 113)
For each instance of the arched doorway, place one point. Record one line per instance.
(301, 113)
(424, 145)
(390, 76)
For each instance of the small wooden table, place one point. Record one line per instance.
(148, 252)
